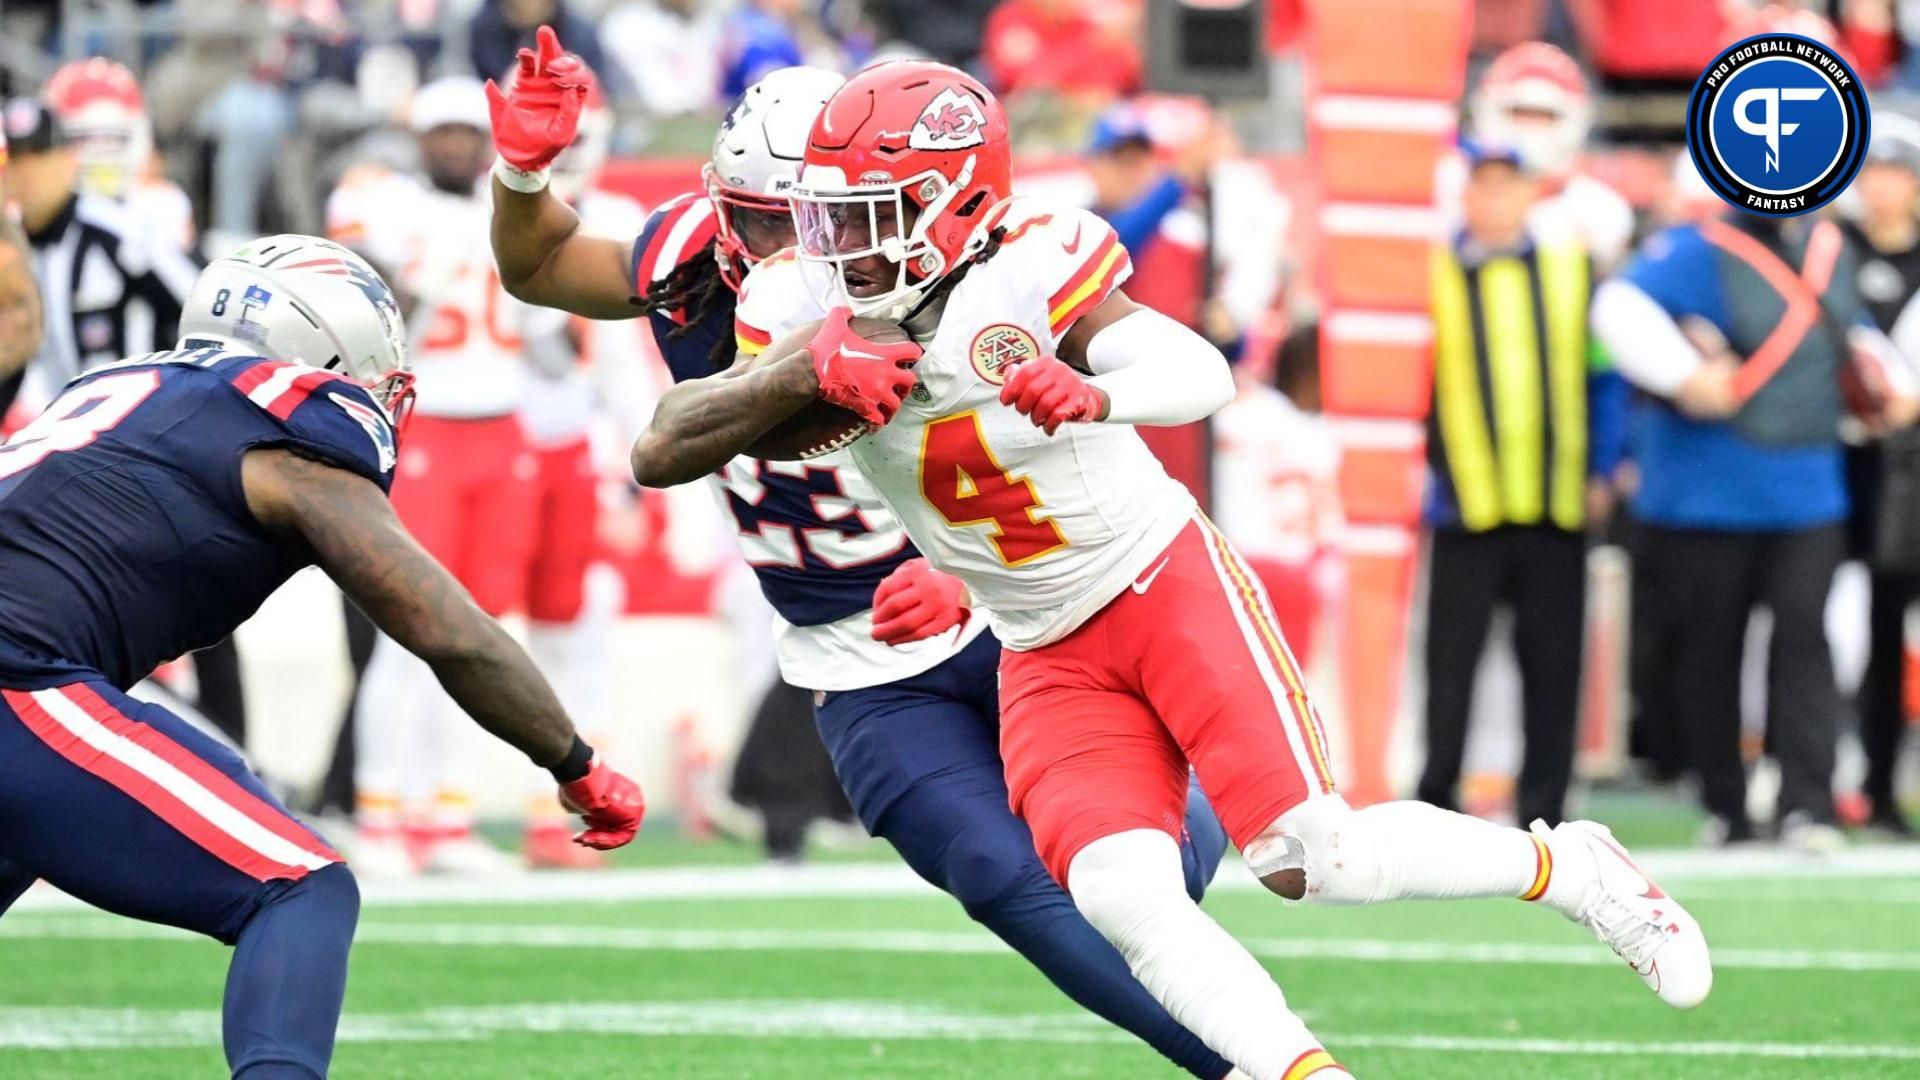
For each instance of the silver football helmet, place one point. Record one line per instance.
(308, 300)
(756, 159)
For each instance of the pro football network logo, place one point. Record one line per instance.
(1778, 125)
(999, 346)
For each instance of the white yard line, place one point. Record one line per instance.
(1893, 865)
(34, 1028)
(955, 943)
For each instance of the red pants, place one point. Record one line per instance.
(468, 491)
(566, 532)
(1295, 597)
(1098, 729)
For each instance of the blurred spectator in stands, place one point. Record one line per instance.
(1276, 466)
(1884, 472)
(1165, 174)
(1499, 25)
(1087, 51)
(1533, 97)
(1649, 72)
(762, 35)
(1741, 494)
(668, 50)
(945, 30)
(1527, 425)
(223, 86)
(1870, 38)
(501, 28)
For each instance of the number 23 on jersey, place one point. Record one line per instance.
(960, 478)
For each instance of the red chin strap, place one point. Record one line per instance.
(395, 391)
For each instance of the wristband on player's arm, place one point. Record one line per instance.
(576, 764)
(517, 179)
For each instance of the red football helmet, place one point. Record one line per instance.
(1534, 97)
(104, 114)
(904, 162)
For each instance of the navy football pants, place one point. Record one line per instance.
(127, 807)
(920, 759)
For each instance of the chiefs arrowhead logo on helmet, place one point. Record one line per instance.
(951, 121)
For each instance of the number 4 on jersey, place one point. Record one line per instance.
(960, 477)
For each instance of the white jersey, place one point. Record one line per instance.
(1276, 473)
(842, 654)
(466, 336)
(166, 209)
(562, 396)
(1045, 530)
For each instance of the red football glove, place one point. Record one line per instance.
(858, 375)
(916, 602)
(1050, 393)
(610, 802)
(541, 116)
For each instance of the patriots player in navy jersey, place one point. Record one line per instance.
(148, 512)
(913, 731)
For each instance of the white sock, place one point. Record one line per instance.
(393, 707)
(1400, 851)
(1129, 887)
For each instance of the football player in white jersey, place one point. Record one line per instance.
(105, 117)
(466, 485)
(1137, 641)
(912, 731)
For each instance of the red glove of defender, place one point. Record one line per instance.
(611, 804)
(861, 376)
(1050, 393)
(916, 602)
(541, 116)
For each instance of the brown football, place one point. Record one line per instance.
(820, 427)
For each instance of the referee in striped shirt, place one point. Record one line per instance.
(112, 285)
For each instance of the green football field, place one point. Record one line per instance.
(679, 965)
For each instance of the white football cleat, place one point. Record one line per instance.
(466, 855)
(1595, 883)
(381, 855)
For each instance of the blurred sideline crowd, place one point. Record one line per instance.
(1610, 365)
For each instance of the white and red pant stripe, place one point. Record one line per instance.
(200, 802)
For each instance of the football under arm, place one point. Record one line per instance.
(1151, 369)
(702, 424)
(351, 529)
(545, 259)
(20, 318)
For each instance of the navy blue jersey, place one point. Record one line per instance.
(817, 536)
(125, 536)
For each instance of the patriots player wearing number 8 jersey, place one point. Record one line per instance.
(149, 511)
(913, 731)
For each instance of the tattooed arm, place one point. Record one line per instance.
(20, 316)
(701, 424)
(354, 536)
